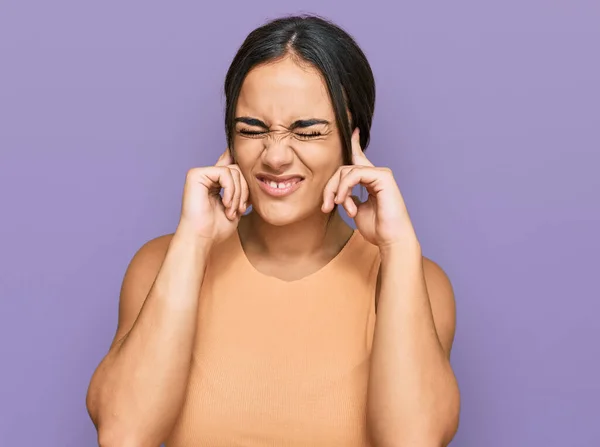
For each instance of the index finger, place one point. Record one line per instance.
(358, 156)
(225, 159)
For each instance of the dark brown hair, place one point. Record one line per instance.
(325, 46)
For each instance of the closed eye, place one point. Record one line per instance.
(258, 133)
(308, 134)
(252, 133)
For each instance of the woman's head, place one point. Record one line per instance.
(295, 91)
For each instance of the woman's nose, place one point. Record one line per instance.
(278, 154)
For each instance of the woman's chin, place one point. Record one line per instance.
(281, 214)
(281, 220)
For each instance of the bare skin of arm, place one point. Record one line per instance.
(413, 399)
(137, 391)
(413, 394)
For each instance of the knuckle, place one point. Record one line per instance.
(193, 174)
(229, 174)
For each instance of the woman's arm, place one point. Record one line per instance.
(413, 398)
(137, 391)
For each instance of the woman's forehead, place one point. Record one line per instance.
(284, 91)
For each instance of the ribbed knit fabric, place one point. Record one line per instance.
(280, 363)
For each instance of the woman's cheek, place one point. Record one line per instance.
(246, 153)
(322, 161)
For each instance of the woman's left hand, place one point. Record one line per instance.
(383, 218)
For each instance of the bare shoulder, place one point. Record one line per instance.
(138, 280)
(148, 258)
(435, 275)
(441, 298)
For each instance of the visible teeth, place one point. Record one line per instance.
(278, 185)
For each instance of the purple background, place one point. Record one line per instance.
(488, 114)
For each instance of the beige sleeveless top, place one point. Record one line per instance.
(280, 363)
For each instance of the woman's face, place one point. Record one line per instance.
(286, 141)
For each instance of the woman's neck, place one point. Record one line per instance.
(303, 239)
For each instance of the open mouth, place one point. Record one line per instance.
(279, 186)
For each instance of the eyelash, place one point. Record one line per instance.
(254, 133)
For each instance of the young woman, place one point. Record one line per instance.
(284, 326)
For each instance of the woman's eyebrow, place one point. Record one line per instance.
(298, 124)
(251, 122)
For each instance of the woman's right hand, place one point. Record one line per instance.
(203, 212)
